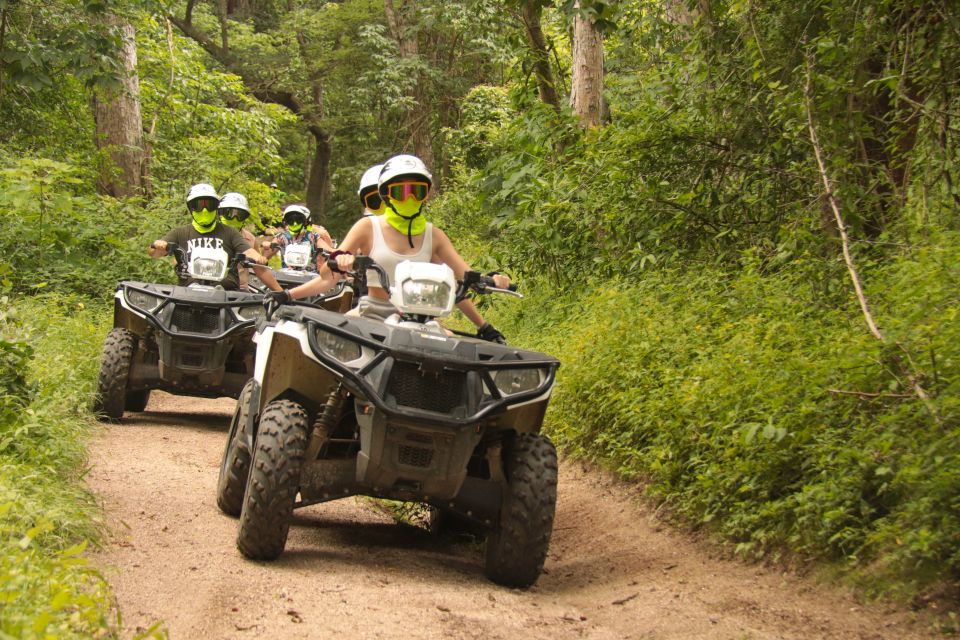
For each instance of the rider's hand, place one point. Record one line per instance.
(277, 298)
(259, 259)
(489, 333)
(323, 236)
(159, 246)
(501, 281)
(345, 262)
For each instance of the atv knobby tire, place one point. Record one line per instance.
(114, 371)
(137, 400)
(235, 467)
(274, 480)
(517, 548)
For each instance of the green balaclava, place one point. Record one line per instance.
(295, 228)
(232, 222)
(204, 221)
(405, 217)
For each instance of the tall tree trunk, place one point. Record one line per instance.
(318, 182)
(586, 86)
(418, 118)
(531, 11)
(119, 126)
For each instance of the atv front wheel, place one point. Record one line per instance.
(274, 480)
(114, 371)
(235, 467)
(517, 547)
(137, 400)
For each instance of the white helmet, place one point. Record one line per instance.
(369, 180)
(235, 201)
(296, 208)
(202, 190)
(402, 166)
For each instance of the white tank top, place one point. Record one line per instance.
(388, 258)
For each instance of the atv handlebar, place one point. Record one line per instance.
(479, 283)
(359, 274)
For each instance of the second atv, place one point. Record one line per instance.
(189, 340)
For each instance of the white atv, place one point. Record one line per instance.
(297, 272)
(190, 340)
(398, 409)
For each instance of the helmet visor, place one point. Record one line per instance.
(234, 213)
(373, 201)
(400, 191)
(205, 202)
(295, 218)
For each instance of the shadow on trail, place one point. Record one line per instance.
(325, 543)
(201, 421)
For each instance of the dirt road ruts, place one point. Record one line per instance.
(614, 571)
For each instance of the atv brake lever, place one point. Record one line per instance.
(509, 292)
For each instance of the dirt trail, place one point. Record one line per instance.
(350, 572)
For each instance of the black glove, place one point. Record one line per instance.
(489, 333)
(276, 298)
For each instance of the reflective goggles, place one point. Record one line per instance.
(373, 201)
(294, 218)
(233, 213)
(206, 202)
(400, 191)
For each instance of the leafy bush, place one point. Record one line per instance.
(59, 236)
(46, 514)
(757, 407)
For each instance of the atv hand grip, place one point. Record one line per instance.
(488, 281)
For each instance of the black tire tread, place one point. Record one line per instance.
(517, 548)
(235, 466)
(115, 362)
(274, 480)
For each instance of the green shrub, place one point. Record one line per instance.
(759, 407)
(47, 516)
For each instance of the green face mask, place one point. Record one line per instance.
(405, 217)
(232, 222)
(295, 228)
(204, 221)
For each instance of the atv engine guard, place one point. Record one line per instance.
(419, 460)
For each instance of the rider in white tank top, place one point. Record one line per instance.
(388, 258)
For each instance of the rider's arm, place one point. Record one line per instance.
(267, 247)
(358, 240)
(159, 247)
(444, 253)
(323, 239)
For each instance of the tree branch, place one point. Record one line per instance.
(910, 370)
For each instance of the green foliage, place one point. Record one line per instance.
(206, 127)
(756, 408)
(46, 515)
(60, 237)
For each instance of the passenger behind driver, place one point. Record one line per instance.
(234, 212)
(297, 230)
(369, 192)
(401, 233)
(205, 231)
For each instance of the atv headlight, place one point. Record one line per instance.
(511, 381)
(423, 288)
(208, 269)
(336, 347)
(297, 255)
(252, 312)
(141, 300)
(425, 294)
